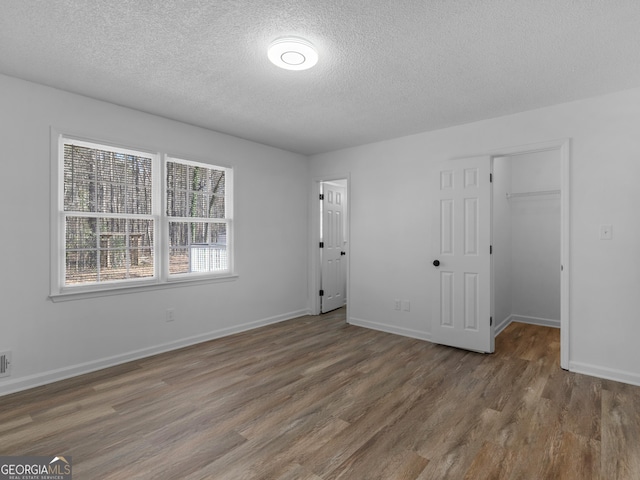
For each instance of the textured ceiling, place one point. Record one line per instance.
(386, 69)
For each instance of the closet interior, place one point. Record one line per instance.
(526, 239)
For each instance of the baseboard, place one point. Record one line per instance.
(383, 327)
(24, 383)
(607, 373)
(500, 326)
(544, 322)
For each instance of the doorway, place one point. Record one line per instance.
(333, 245)
(526, 239)
(330, 206)
(530, 238)
(464, 300)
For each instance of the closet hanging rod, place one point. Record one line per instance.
(531, 194)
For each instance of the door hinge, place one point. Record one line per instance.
(490, 249)
(322, 293)
(322, 196)
(491, 178)
(321, 244)
(491, 321)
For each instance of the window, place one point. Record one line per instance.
(125, 217)
(197, 217)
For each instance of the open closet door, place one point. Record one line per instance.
(462, 264)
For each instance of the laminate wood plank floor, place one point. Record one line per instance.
(316, 399)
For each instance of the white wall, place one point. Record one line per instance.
(535, 237)
(390, 201)
(54, 340)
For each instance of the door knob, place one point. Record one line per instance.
(436, 263)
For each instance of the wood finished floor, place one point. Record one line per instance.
(314, 398)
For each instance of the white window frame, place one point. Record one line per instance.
(228, 221)
(161, 279)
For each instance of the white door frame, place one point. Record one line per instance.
(315, 266)
(564, 147)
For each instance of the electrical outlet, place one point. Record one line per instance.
(397, 305)
(171, 315)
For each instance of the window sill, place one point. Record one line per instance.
(68, 296)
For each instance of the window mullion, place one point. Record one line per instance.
(161, 235)
(98, 250)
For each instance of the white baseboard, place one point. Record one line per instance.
(544, 322)
(9, 386)
(383, 327)
(603, 372)
(500, 326)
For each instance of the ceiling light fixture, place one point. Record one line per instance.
(292, 53)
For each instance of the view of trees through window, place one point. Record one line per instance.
(110, 235)
(196, 207)
(110, 219)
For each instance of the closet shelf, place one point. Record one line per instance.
(533, 194)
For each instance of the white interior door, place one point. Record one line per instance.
(333, 274)
(462, 264)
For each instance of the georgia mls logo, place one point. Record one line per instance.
(35, 468)
(63, 467)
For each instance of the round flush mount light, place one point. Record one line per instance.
(292, 53)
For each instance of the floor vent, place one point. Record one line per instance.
(5, 364)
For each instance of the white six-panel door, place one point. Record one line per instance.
(333, 272)
(462, 263)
